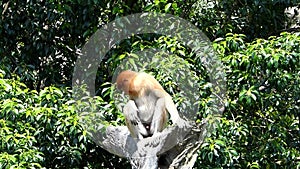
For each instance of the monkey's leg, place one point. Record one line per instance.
(159, 117)
(133, 122)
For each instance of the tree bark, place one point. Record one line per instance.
(175, 147)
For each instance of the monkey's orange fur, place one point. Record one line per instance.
(136, 84)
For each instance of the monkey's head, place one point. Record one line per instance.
(124, 80)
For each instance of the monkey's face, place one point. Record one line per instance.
(124, 79)
(124, 86)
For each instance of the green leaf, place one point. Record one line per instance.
(210, 156)
(220, 142)
(167, 7)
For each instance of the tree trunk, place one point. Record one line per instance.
(175, 147)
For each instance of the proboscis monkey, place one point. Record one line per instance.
(146, 113)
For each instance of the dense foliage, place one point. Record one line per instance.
(44, 130)
(38, 36)
(260, 127)
(39, 44)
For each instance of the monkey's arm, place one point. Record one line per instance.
(169, 104)
(160, 116)
(133, 122)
